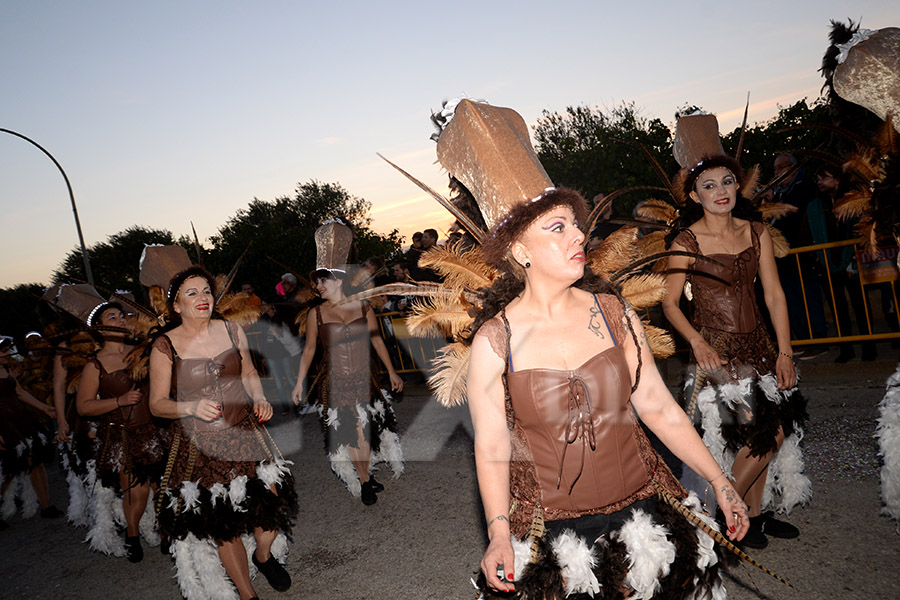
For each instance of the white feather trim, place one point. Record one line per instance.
(377, 407)
(272, 473)
(200, 573)
(30, 503)
(218, 492)
(390, 452)
(102, 534)
(522, 552)
(332, 419)
(888, 435)
(190, 496)
(147, 524)
(650, 554)
(344, 469)
(237, 492)
(8, 510)
(576, 562)
(785, 480)
(706, 550)
(119, 513)
(77, 513)
(362, 414)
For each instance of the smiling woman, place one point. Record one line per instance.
(225, 482)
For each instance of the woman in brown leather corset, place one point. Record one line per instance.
(559, 369)
(227, 490)
(360, 428)
(740, 387)
(129, 449)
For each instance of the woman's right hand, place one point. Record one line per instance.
(62, 431)
(129, 398)
(297, 394)
(707, 358)
(499, 552)
(207, 410)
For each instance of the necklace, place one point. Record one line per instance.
(722, 243)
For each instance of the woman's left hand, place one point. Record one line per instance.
(49, 411)
(786, 372)
(263, 410)
(733, 507)
(396, 382)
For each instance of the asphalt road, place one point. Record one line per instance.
(424, 537)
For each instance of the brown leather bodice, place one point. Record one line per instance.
(579, 427)
(346, 345)
(724, 295)
(117, 383)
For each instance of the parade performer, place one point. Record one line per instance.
(357, 417)
(554, 365)
(862, 69)
(227, 491)
(129, 450)
(740, 387)
(25, 446)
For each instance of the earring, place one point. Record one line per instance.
(527, 264)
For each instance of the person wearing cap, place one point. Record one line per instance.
(574, 496)
(129, 452)
(24, 442)
(360, 428)
(225, 478)
(741, 388)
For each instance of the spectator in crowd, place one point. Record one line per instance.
(400, 304)
(825, 227)
(281, 349)
(417, 273)
(253, 300)
(795, 189)
(289, 306)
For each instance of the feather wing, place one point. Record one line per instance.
(451, 367)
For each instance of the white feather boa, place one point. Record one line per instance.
(888, 435)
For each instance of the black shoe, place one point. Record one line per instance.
(755, 537)
(275, 574)
(778, 529)
(375, 485)
(368, 494)
(133, 551)
(846, 355)
(51, 512)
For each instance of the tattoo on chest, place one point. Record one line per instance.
(596, 324)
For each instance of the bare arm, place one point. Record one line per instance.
(250, 378)
(484, 388)
(658, 410)
(87, 402)
(777, 305)
(381, 351)
(309, 352)
(59, 398)
(676, 276)
(33, 402)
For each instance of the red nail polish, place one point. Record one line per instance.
(731, 528)
(510, 577)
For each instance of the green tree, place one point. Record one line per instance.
(283, 230)
(594, 152)
(115, 262)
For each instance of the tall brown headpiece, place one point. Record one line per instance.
(160, 263)
(333, 242)
(698, 147)
(79, 299)
(868, 72)
(489, 150)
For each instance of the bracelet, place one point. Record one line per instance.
(497, 518)
(790, 356)
(722, 474)
(117, 402)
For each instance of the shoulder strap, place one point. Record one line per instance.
(228, 325)
(605, 322)
(509, 364)
(755, 233)
(171, 347)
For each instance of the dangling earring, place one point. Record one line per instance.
(527, 264)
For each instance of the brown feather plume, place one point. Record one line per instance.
(661, 343)
(644, 290)
(616, 252)
(451, 368)
(779, 243)
(887, 139)
(775, 210)
(234, 307)
(460, 269)
(854, 203)
(439, 316)
(866, 163)
(158, 302)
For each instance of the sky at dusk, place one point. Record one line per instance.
(166, 113)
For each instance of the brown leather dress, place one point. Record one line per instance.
(577, 448)
(220, 457)
(727, 315)
(128, 438)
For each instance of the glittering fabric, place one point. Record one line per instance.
(870, 76)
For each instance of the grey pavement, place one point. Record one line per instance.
(424, 537)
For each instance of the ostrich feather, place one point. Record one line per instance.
(775, 210)
(779, 243)
(866, 163)
(460, 269)
(158, 301)
(854, 203)
(448, 380)
(740, 145)
(644, 290)
(751, 182)
(439, 316)
(616, 252)
(412, 289)
(658, 210)
(886, 139)
(653, 243)
(661, 343)
(234, 307)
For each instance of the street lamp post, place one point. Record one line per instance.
(84, 252)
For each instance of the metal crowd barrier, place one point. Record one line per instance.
(878, 269)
